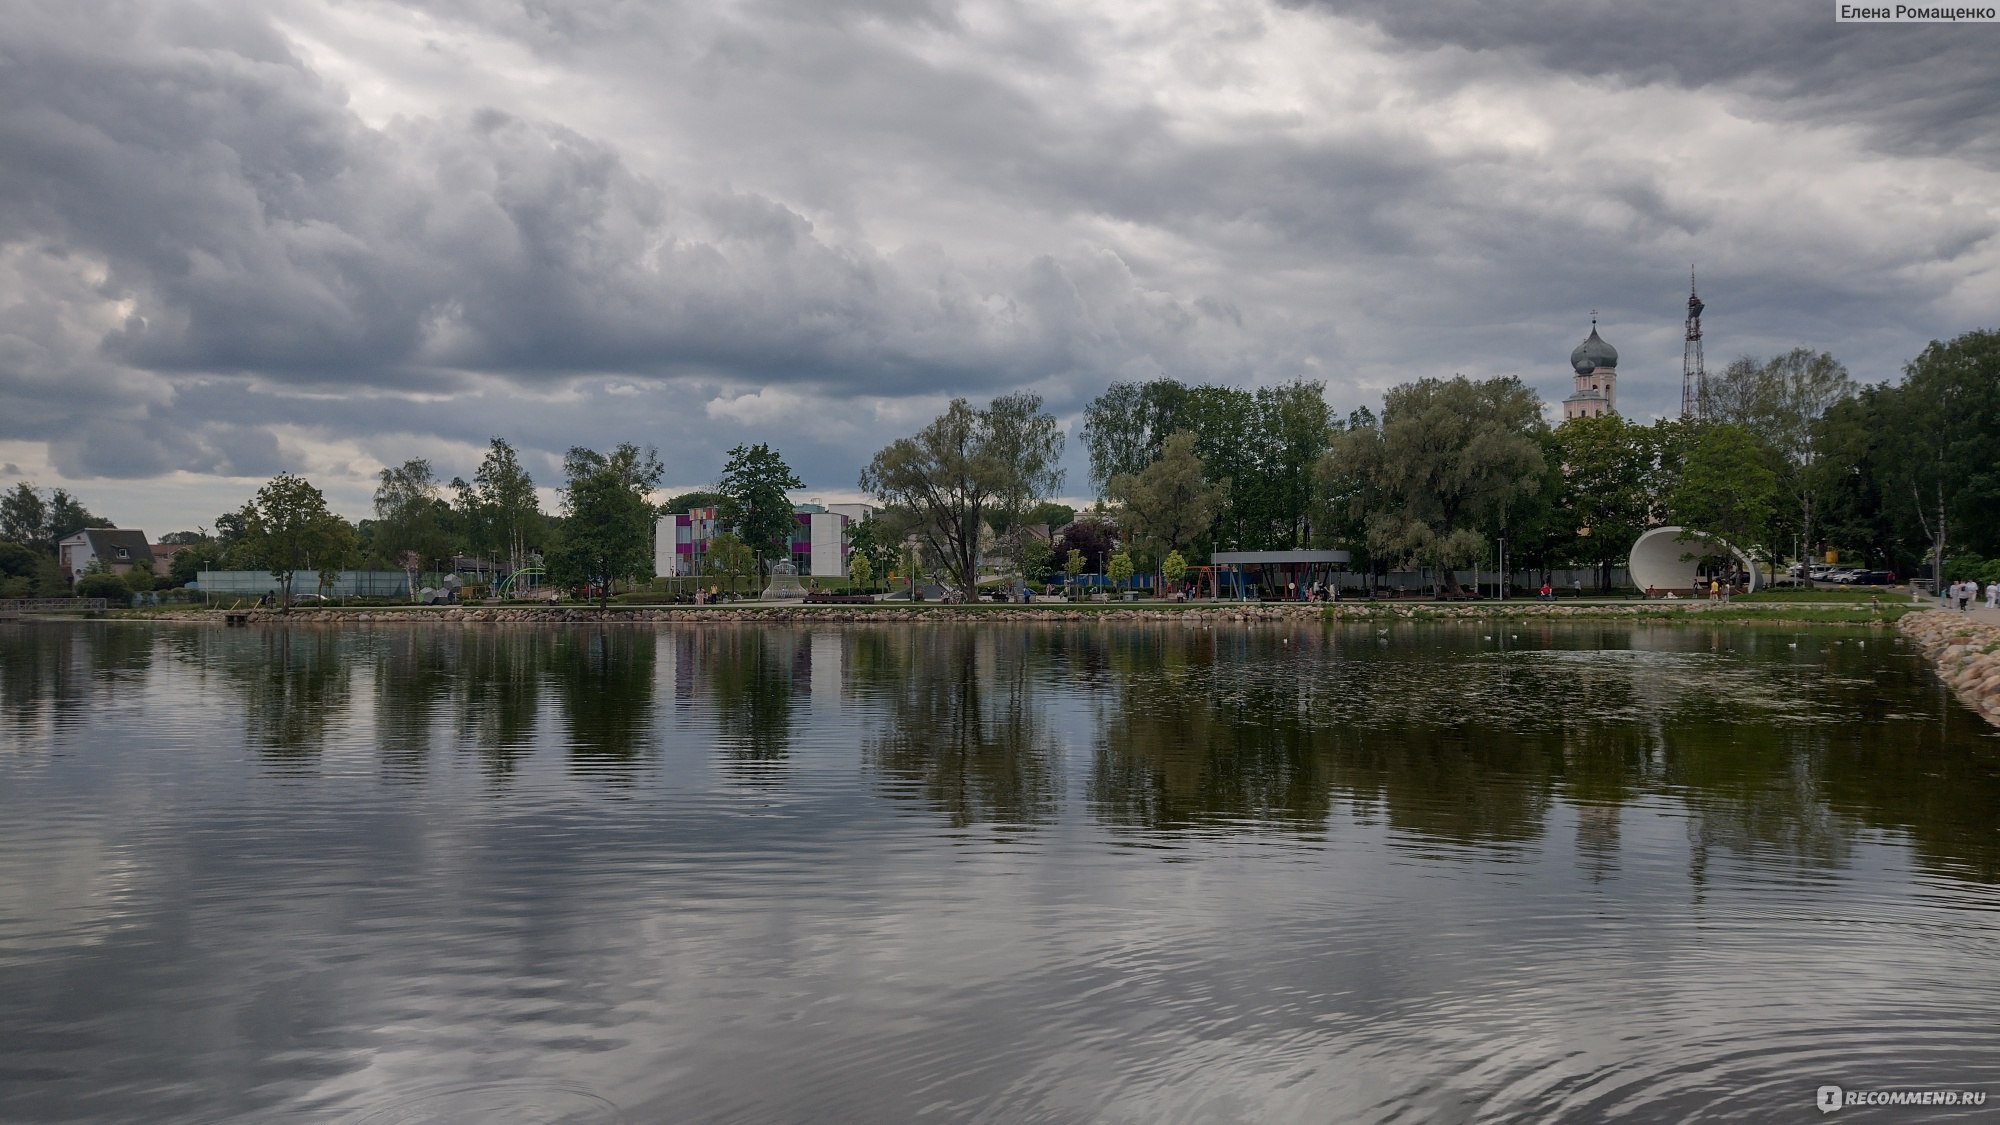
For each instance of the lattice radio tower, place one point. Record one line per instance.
(1694, 372)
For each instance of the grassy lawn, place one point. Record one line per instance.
(1835, 594)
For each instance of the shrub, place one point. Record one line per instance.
(110, 587)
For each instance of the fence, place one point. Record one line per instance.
(52, 605)
(347, 584)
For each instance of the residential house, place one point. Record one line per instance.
(120, 548)
(163, 557)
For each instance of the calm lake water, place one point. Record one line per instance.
(994, 874)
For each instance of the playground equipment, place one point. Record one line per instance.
(513, 587)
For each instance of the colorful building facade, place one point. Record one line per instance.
(818, 540)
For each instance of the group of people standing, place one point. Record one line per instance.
(1964, 592)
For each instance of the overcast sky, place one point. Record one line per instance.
(239, 238)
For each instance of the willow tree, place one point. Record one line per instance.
(967, 466)
(1448, 458)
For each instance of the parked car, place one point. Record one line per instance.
(1873, 578)
(1842, 576)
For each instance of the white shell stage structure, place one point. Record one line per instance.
(1672, 558)
(784, 583)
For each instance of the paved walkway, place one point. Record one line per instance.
(1978, 612)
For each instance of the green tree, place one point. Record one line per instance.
(1120, 570)
(1026, 441)
(24, 517)
(1072, 566)
(104, 584)
(1050, 514)
(1173, 568)
(1449, 459)
(869, 540)
(1941, 438)
(188, 563)
(729, 557)
(966, 464)
(467, 523)
(1728, 487)
(754, 501)
(1260, 446)
(689, 501)
(608, 522)
(1783, 402)
(18, 564)
(1604, 461)
(1295, 429)
(67, 516)
(1170, 503)
(288, 528)
(407, 531)
(860, 570)
(1124, 426)
(510, 509)
(1037, 554)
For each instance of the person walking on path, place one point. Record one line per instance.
(1993, 595)
(1964, 594)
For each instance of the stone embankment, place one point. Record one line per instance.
(1966, 653)
(1293, 612)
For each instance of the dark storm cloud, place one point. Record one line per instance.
(260, 227)
(237, 237)
(1917, 88)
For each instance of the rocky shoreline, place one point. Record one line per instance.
(1966, 654)
(1298, 613)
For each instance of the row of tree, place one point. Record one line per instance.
(1791, 458)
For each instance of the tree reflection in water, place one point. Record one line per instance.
(414, 673)
(1458, 737)
(961, 728)
(295, 682)
(1451, 737)
(751, 682)
(603, 678)
(498, 694)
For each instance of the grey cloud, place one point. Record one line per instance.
(292, 241)
(201, 238)
(1918, 88)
